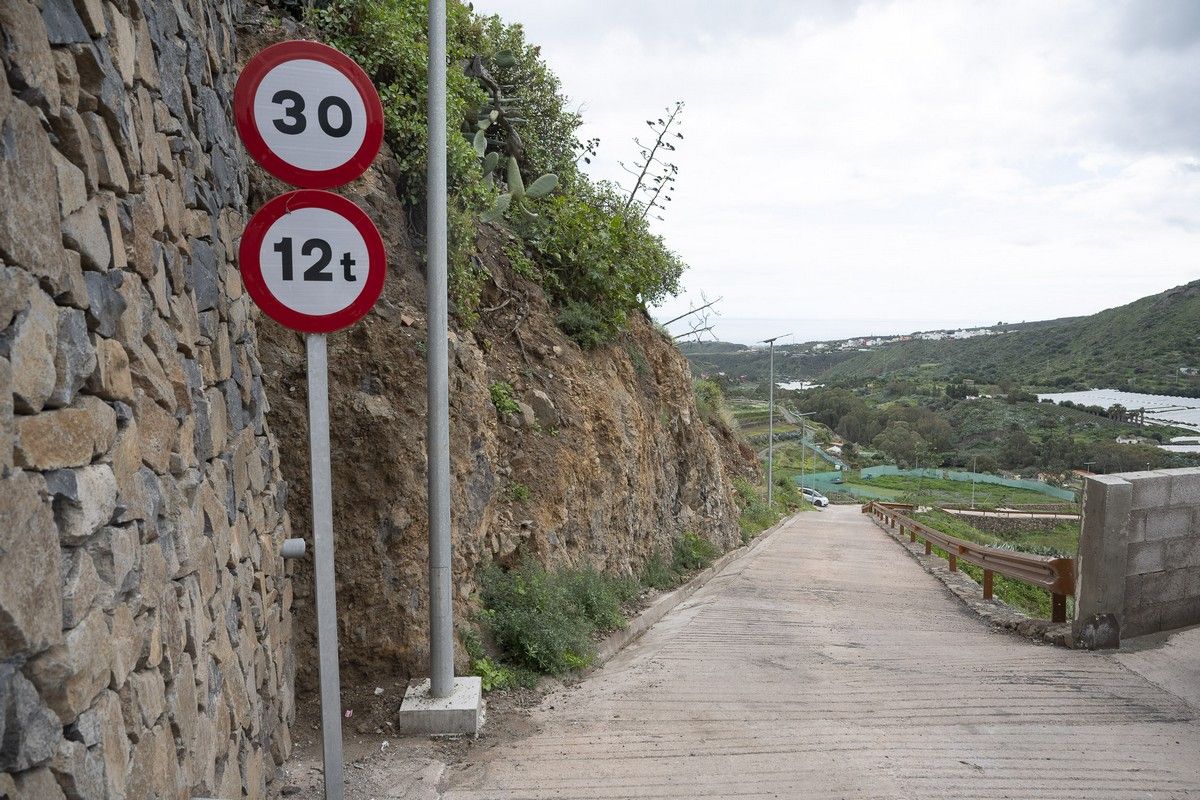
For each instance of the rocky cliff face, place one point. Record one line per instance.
(145, 628)
(604, 460)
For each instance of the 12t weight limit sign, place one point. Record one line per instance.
(308, 114)
(312, 261)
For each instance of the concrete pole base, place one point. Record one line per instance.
(459, 714)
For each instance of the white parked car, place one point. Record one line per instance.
(816, 498)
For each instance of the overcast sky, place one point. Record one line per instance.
(883, 167)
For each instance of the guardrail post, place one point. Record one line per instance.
(928, 547)
(987, 584)
(953, 562)
(912, 534)
(1058, 606)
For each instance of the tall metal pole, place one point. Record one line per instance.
(437, 440)
(974, 459)
(771, 421)
(771, 432)
(803, 452)
(322, 519)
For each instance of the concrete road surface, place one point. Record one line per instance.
(828, 664)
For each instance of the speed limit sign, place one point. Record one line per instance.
(308, 114)
(312, 261)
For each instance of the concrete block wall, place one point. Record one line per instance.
(145, 622)
(1139, 550)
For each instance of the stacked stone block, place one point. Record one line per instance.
(1140, 551)
(145, 620)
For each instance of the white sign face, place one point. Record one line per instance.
(314, 261)
(310, 115)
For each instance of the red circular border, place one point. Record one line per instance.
(256, 285)
(243, 104)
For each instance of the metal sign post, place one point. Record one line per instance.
(322, 519)
(314, 262)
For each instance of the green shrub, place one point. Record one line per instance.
(545, 621)
(693, 552)
(708, 397)
(600, 597)
(583, 323)
(495, 675)
(502, 397)
(520, 262)
(518, 492)
(658, 574)
(599, 262)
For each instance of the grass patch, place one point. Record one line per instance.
(1060, 541)
(756, 515)
(658, 574)
(693, 552)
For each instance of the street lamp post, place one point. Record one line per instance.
(771, 420)
(974, 464)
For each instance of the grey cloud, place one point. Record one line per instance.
(669, 23)
(1160, 24)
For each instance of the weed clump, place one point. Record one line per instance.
(502, 397)
(545, 620)
(693, 552)
(658, 574)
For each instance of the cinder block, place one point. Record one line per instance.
(1150, 489)
(1185, 488)
(1140, 621)
(1168, 523)
(1146, 590)
(1179, 613)
(1183, 552)
(1182, 584)
(1135, 531)
(1147, 557)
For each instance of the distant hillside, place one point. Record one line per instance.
(792, 362)
(1139, 347)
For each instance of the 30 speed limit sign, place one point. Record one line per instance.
(312, 261)
(308, 114)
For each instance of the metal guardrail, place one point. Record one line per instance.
(1055, 575)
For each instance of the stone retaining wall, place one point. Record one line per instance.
(145, 620)
(1139, 555)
